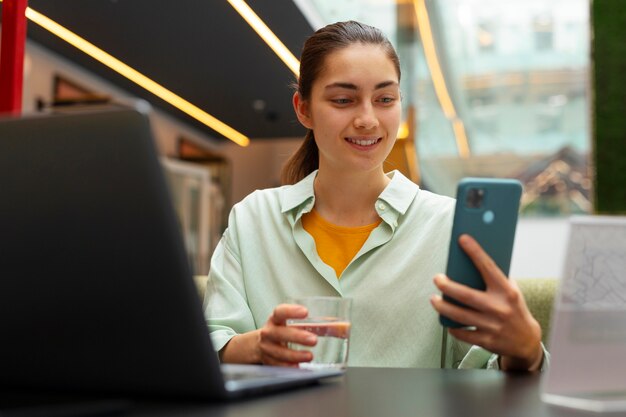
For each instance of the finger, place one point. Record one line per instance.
(463, 315)
(515, 297)
(276, 353)
(273, 362)
(488, 269)
(287, 334)
(269, 360)
(283, 312)
(476, 299)
(495, 308)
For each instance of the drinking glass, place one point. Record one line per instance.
(329, 319)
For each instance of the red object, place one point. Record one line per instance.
(12, 55)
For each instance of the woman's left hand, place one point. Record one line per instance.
(499, 316)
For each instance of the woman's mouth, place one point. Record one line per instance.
(363, 141)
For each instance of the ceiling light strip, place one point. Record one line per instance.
(267, 35)
(441, 90)
(138, 78)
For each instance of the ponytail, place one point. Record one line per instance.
(304, 161)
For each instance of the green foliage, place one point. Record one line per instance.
(609, 107)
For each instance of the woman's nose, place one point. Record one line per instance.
(366, 118)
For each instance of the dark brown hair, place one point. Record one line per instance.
(322, 43)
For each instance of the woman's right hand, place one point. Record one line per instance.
(275, 336)
(269, 344)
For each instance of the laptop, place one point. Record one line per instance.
(588, 332)
(96, 292)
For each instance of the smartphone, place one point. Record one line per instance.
(486, 209)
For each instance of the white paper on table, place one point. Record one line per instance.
(588, 332)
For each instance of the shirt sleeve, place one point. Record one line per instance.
(226, 308)
(478, 357)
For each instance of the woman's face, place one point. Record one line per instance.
(354, 109)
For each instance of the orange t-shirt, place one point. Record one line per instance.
(336, 245)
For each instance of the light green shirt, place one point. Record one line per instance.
(265, 257)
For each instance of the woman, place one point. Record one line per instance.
(345, 228)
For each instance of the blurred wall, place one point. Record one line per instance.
(256, 166)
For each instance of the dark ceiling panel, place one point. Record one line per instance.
(200, 49)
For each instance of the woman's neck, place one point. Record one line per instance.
(348, 199)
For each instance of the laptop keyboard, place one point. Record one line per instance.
(257, 372)
(239, 375)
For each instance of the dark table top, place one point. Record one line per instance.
(362, 392)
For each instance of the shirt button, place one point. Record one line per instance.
(395, 224)
(381, 206)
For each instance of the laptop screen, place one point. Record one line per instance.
(95, 287)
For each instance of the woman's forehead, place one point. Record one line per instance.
(358, 64)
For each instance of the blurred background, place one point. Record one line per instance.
(495, 88)
(490, 89)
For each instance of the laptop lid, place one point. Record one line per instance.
(96, 293)
(588, 334)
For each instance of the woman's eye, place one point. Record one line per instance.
(341, 100)
(387, 100)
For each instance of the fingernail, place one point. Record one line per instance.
(311, 338)
(440, 279)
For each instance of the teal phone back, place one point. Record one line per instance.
(490, 217)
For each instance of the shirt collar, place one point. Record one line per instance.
(398, 194)
(296, 195)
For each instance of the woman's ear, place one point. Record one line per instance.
(301, 108)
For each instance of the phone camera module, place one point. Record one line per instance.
(474, 197)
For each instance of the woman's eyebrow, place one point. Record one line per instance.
(350, 86)
(385, 84)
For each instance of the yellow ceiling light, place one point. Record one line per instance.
(461, 138)
(439, 82)
(267, 35)
(137, 77)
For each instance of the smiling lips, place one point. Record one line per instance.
(364, 141)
